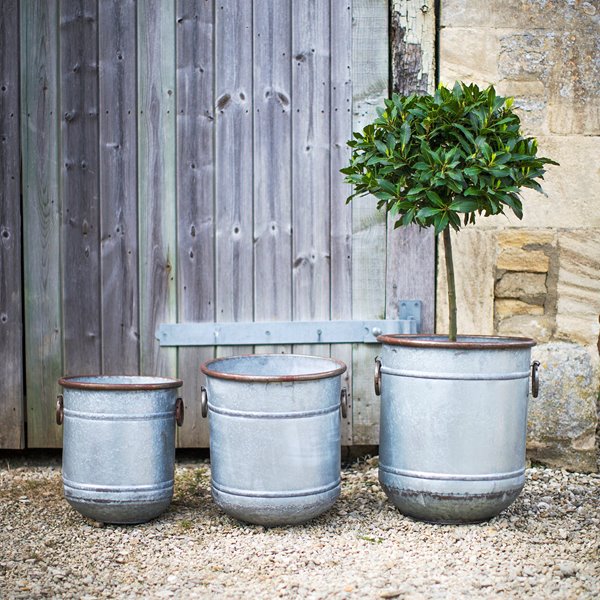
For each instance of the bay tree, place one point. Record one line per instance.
(442, 160)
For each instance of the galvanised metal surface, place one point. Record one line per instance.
(453, 424)
(119, 445)
(274, 436)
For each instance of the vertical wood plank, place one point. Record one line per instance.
(370, 87)
(41, 218)
(310, 170)
(234, 163)
(411, 272)
(272, 164)
(412, 37)
(156, 182)
(11, 316)
(79, 185)
(411, 251)
(341, 215)
(195, 199)
(118, 186)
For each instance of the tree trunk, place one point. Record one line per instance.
(451, 286)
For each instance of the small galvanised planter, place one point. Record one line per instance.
(119, 445)
(453, 424)
(274, 435)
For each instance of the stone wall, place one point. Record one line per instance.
(539, 277)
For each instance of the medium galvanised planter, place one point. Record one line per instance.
(453, 424)
(119, 445)
(274, 435)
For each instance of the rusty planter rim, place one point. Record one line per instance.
(208, 371)
(154, 383)
(463, 342)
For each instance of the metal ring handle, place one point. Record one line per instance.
(60, 415)
(179, 412)
(204, 402)
(535, 378)
(377, 380)
(344, 402)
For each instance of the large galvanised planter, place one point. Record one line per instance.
(274, 435)
(453, 424)
(119, 445)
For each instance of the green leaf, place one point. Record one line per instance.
(418, 189)
(381, 147)
(454, 220)
(405, 134)
(449, 183)
(428, 212)
(383, 195)
(441, 222)
(434, 198)
(421, 166)
(387, 186)
(464, 205)
(498, 172)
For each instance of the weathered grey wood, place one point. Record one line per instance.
(272, 131)
(411, 251)
(310, 169)
(370, 87)
(118, 186)
(11, 317)
(233, 163)
(41, 221)
(411, 272)
(232, 155)
(412, 38)
(156, 181)
(79, 186)
(195, 199)
(341, 215)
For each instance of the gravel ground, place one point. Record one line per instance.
(546, 545)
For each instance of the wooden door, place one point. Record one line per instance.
(181, 164)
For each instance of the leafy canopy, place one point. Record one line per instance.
(441, 160)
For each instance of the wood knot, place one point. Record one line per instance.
(223, 101)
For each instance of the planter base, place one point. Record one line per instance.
(126, 512)
(450, 509)
(277, 511)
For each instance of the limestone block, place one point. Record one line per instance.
(540, 328)
(528, 287)
(468, 55)
(520, 14)
(517, 259)
(525, 238)
(509, 308)
(544, 56)
(564, 60)
(474, 252)
(578, 286)
(562, 421)
(572, 189)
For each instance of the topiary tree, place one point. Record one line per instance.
(442, 160)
